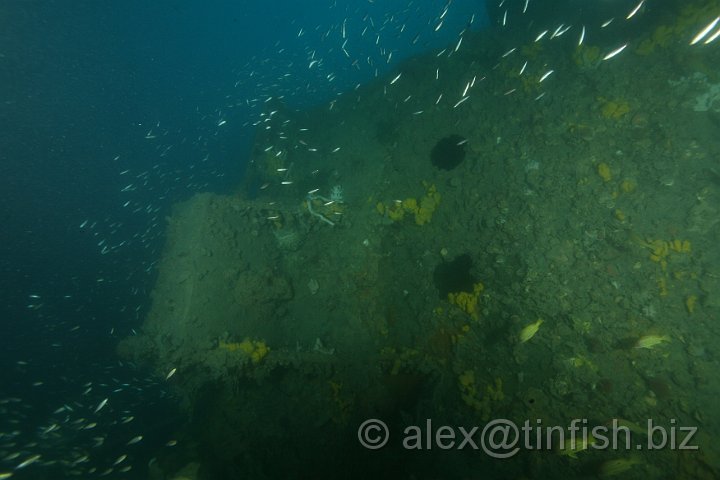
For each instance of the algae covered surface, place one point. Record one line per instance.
(543, 251)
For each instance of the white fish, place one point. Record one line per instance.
(615, 52)
(51, 428)
(135, 440)
(704, 31)
(635, 10)
(458, 44)
(462, 100)
(101, 405)
(170, 374)
(562, 31)
(712, 37)
(28, 462)
(547, 74)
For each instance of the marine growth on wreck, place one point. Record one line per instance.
(541, 248)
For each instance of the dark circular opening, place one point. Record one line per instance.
(449, 152)
(454, 276)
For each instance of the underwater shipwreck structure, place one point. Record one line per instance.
(509, 258)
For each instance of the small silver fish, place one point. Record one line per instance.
(28, 462)
(101, 405)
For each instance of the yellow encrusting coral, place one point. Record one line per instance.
(581, 361)
(410, 205)
(256, 350)
(586, 56)
(660, 252)
(614, 110)
(661, 249)
(467, 301)
(628, 185)
(428, 203)
(660, 38)
(422, 209)
(480, 402)
(603, 169)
